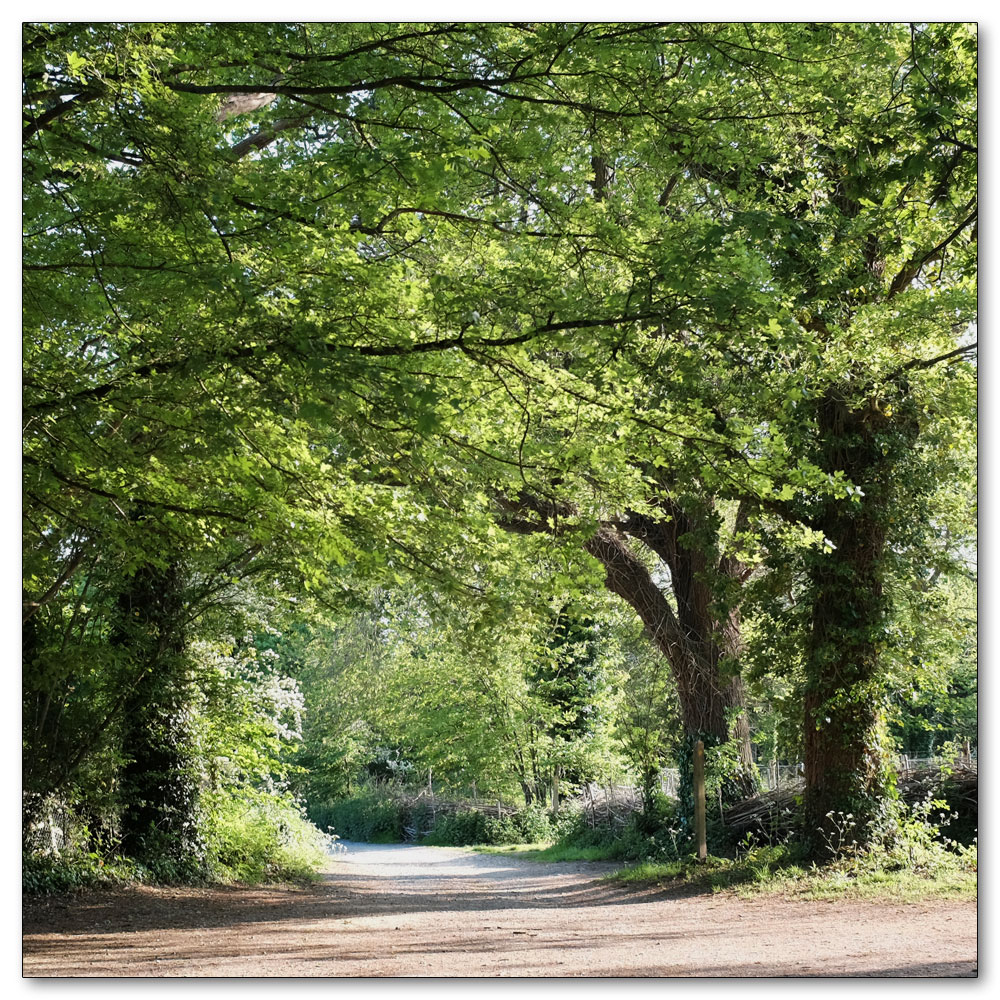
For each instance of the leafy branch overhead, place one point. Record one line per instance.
(676, 316)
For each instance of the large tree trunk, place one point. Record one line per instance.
(712, 702)
(701, 647)
(846, 764)
(159, 790)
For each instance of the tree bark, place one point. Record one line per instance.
(159, 790)
(712, 703)
(695, 643)
(846, 765)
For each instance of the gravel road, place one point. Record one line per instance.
(398, 910)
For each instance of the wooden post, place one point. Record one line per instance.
(967, 752)
(555, 790)
(699, 799)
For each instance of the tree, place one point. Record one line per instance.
(661, 285)
(447, 687)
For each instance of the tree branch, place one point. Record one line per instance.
(57, 111)
(912, 267)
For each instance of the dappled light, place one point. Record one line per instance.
(555, 439)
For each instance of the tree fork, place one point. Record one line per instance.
(712, 705)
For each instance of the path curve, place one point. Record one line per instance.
(399, 910)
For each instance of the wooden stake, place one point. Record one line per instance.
(699, 800)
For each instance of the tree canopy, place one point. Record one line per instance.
(506, 313)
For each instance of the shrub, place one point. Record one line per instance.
(52, 873)
(471, 826)
(532, 825)
(371, 818)
(501, 830)
(381, 817)
(642, 841)
(259, 837)
(459, 829)
(246, 836)
(572, 830)
(655, 835)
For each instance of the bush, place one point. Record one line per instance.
(471, 826)
(912, 837)
(641, 840)
(246, 836)
(532, 825)
(71, 870)
(259, 837)
(52, 873)
(573, 830)
(380, 818)
(501, 830)
(656, 835)
(371, 818)
(459, 829)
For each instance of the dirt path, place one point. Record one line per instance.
(425, 911)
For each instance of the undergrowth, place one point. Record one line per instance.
(781, 870)
(262, 838)
(379, 818)
(909, 857)
(249, 838)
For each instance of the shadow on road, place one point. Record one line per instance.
(371, 880)
(398, 910)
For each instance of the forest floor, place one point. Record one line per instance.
(394, 910)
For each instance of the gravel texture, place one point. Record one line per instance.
(427, 911)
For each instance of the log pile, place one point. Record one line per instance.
(773, 814)
(959, 785)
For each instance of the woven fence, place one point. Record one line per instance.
(775, 776)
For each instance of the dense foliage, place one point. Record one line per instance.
(383, 380)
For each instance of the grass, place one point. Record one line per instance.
(774, 874)
(902, 886)
(549, 852)
(920, 866)
(923, 871)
